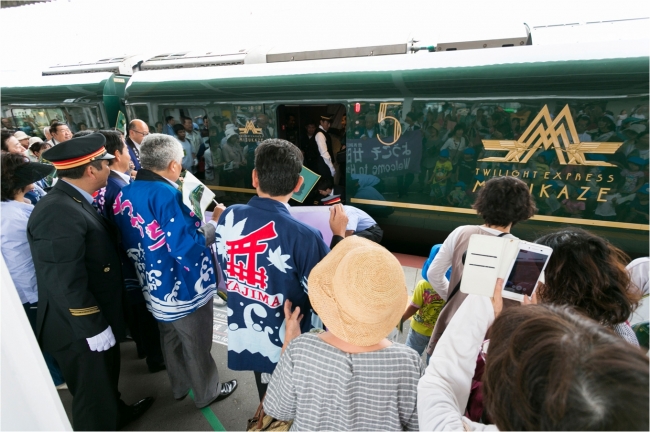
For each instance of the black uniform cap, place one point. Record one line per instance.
(327, 118)
(78, 151)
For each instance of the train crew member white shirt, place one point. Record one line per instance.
(322, 149)
(358, 220)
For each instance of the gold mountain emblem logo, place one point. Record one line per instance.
(250, 127)
(559, 134)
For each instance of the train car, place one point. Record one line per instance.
(87, 95)
(567, 119)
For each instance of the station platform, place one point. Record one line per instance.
(230, 414)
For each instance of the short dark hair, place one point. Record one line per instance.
(159, 123)
(504, 201)
(5, 136)
(78, 172)
(113, 143)
(184, 119)
(38, 146)
(549, 368)
(278, 164)
(588, 273)
(611, 125)
(55, 125)
(177, 128)
(168, 118)
(458, 127)
(324, 183)
(8, 185)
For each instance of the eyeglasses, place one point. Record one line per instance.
(141, 133)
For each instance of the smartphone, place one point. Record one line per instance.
(526, 271)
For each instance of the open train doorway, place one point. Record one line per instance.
(298, 124)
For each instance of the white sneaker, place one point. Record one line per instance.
(218, 301)
(63, 386)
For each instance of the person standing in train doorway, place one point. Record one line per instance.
(318, 155)
(80, 319)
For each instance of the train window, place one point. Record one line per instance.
(141, 112)
(83, 117)
(32, 120)
(446, 150)
(195, 113)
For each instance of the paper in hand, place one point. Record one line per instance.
(196, 196)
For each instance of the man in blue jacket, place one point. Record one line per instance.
(170, 251)
(143, 326)
(266, 256)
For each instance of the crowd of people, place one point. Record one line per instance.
(108, 246)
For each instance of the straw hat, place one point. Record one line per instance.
(359, 292)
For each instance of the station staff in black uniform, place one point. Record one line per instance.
(80, 315)
(318, 154)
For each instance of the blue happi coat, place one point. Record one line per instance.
(160, 236)
(266, 256)
(104, 202)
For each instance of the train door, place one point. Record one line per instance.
(298, 123)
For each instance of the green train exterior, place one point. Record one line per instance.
(94, 99)
(520, 82)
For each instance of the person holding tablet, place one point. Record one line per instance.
(502, 203)
(547, 368)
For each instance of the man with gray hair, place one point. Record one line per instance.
(170, 251)
(47, 134)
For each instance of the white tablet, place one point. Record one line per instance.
(526, 271)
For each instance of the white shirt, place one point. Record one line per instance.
(358, 220)
(126, 178)
(442, 261)
(15, 248)
(194, 138)
(187, 160)
(454, 145)
(443, 390)
(638, 270)
(322, 148)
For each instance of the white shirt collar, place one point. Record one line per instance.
(123, 176)
(171, 183)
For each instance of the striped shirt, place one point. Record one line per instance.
(323, 388)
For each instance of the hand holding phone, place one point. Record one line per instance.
(526, 271)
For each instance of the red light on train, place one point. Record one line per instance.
(357, 107)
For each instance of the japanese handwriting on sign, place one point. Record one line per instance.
(242, 256)
(118, 208)
(156, 234)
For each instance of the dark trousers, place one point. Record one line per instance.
(373, 233)
(145, 333)
(261, 388)
(92, 380)
(186, 345)
(52, 365)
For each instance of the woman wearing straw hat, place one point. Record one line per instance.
(350, 377)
